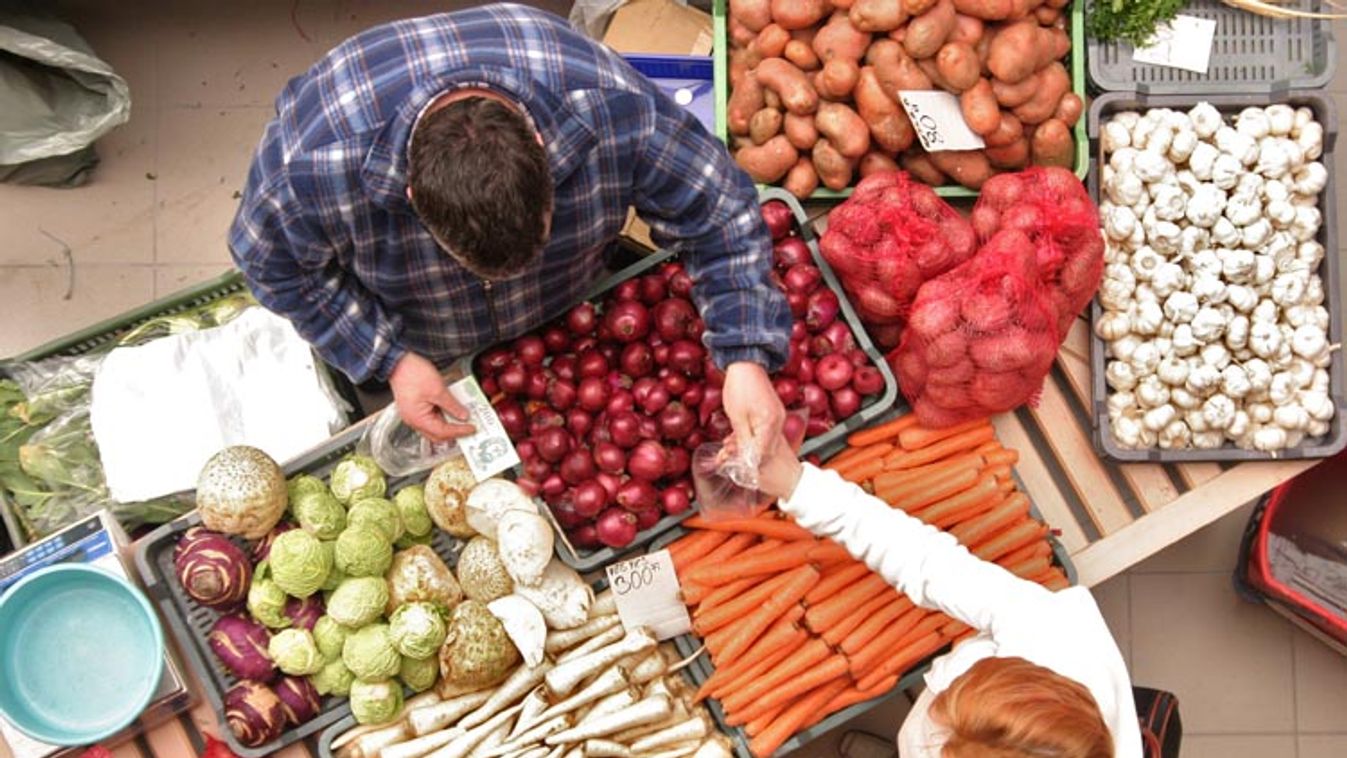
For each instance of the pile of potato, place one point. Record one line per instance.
(814, 87)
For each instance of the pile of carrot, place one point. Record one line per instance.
(797, 629)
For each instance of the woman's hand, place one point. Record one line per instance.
(422, 400)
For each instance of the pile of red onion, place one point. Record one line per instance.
(607, 403)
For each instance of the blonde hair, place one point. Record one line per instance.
(1011, 708)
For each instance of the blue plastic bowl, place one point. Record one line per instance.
(81, 652)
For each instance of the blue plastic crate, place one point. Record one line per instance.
(688, 79)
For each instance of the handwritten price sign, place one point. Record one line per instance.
(647, 594)
(939, 121)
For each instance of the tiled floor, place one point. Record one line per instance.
(154, 218)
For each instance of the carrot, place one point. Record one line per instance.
(954, 628)
(853, 694)
(834, 579)
(714, 618)
(834, 667)
(706, 598)
(734, 683)
(903, 660)
(1010, 540)
(855, 455)
(1012, 508)
(951, 520)
(871, 650)
(987, 448)
(811, 653)
(829, 553)
(893, 482)
(693, 546)
(944, 448)
(828, 613)
(1000, 471)
(834, 634)
(694, 594)
(1006, 486)
(1002, 457)
(776, 528)
(780, 631)
(881, 432)
(968, 499)
(731, 547)
(790, 721)
(1054, 580)
(1027, 568)
(1036, 548)
(862, 471)
(877, 621)
(750, 627)
(917, 437)
(757, 725)
(788, 556)
(919, 494)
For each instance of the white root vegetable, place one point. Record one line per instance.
(350, 735)
(492, 741)
(535, 703)
(562, 595)
(605, 604)
(440, 715)
(565, 639)
(612, 680)
(523, 624)
(692, 729)
(598, 748)
(490, 500)
(653, 708)
(716, 747)
(524, 540)
(510, 692)
(370, 743)
(564, 677)
(423, 745)
(469, 740)
(649, 668)
(534, 734)
(602, 639)
(611, 703)
(677, 751)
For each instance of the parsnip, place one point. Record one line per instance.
(648, 710)
(369, 744)
(606, 683)
(433, 718)
(421, 746)
(611, 704)
(602, 639)
(535, 703)
(607, 749)
(465, 743)
(534, 735)
(605, 604)
(694, 728)
(565, 639)
(648, 668)
(511, 691)
(491, 742)
(564, 677)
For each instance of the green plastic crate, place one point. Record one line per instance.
(1077, 60)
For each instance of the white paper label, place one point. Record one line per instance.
(488, 451)
(939, 121)
(647, 593)
(1182, 43)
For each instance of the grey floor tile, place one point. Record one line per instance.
(1238, 746)
(1321, 686)
(1115, 602)
(1322, 745)
(36, 309)
(1212, 548)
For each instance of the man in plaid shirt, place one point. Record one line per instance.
(439, 184)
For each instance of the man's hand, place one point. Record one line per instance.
(754, 410)
(780, 470)
(422, 397)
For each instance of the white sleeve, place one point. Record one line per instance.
(925, 563)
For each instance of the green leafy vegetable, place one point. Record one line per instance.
(1133, 21)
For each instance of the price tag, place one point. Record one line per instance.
(939, 121)
(647, 594)
(1182, 43)
(488, 450)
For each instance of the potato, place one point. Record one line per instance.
(839, 39)
(770, 99)
(969, 168)
(801, 54)
(917, 7)
(1059, 45)
(802, 179)
(875, 163)
(844, 128)
(768, 162)
(894, 69)
(746, 99)
(1054, 82)
(877, 15)
(764, 125)
(1069, 109)
(738, 66)
(799, 14)
(834, 169)
(1018, 50)
(1011, 156)
(967, 29)
(958, 65)
(838, 78)
(1015, 95)
(770, 42)
(927, 32)
(1046, 16)
(844, 5)
(979, 108)
(789, 83)
(1052, 144)
(1007, 131)
(740, 35)
(800, 130)
(932, 72)
(754, 14)
(987, 10)
(889, 125)
(920, 165)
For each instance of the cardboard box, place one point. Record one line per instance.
(661, 27)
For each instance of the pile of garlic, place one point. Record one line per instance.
(1213, 310)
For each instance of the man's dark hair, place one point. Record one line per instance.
(480, 183)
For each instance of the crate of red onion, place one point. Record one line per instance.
(607, 403)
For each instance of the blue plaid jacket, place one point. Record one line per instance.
(326, 237)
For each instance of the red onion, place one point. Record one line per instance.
(676, 421)
(592, 394)
(513, 379)
(791, 252)
(798, 331)
(582, 319)
(815, 399)
(584, 537)
(713, 374)
(820, 346)
(649, 428)
(718, 427)
(608, 349)
(834, 373)
(637, 360)
(803, 278)
(567, 510)
(564, 367)
(579, 422)
(537, 469)
(793, 428)
(787, 389)
(798, 302)
(656, 400)
(680, 284)
(583, 344)
(654, 288)
(615, 528)
(818, 425)
(512, 418)
(687, 356)
(537, 385)
(867, 380)
(531, 487)
(846, 402)
(625, 429)
(668, 269)
(591, 363)
(675, 383)
(553, 444)
(543, 419)
(493, 361)
(805, 373)
(778, 218)
(692, 396)
(610, 458)
(674, 501)
(637, 495)
(822, 309)
(839, 334)
(648, 461)
(641, 388)
(589, 499)
(628, 320)
(553, 486)
(527, 450)
(793, 357)
(610, 484)
(627, 290)
(649, 517)
(711, 402)
(561, 395)
(531, 350)
(556, 340)
(679, 461)
(577, 466)
(673, 318)
(694, 440)
(490, 387)
(620, 400)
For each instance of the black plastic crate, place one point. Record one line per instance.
(1336, 439)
